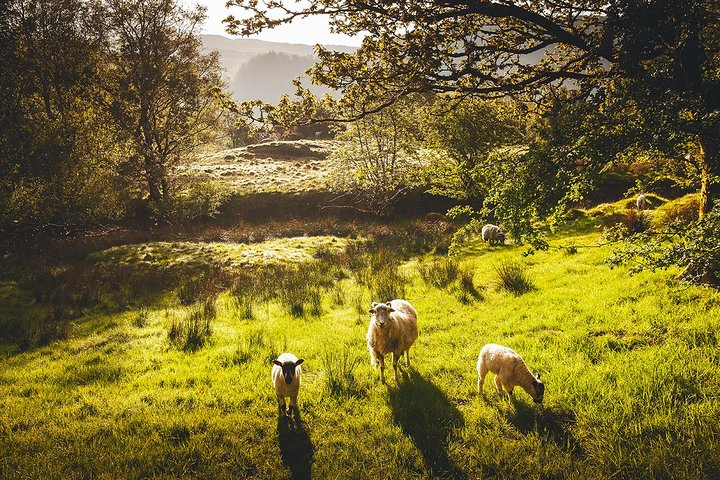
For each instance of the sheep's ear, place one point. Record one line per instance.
(390, 310)
(299, 362)
(537, 375)
(389, 304)
(374, 304)
(372, 310)
(277, 362)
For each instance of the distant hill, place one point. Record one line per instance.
(257, 69)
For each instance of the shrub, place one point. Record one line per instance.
(201, 199)
(513, 278)
(636, 221)
(439, 272)
(695, 248)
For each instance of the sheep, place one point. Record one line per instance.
(510, 371)
(393, 328)
(285, 376)
(641, 202)
(493, 234)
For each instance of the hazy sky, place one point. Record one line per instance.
(309, 31)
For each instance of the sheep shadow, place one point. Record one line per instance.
(427, 416)
(555, 426)
(296, 449)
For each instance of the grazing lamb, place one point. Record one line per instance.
(641, 202)
(285, 375)
(393, 328)
(510, 371)
(493, 234)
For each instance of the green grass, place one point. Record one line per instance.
(630, 366)
(282, 166)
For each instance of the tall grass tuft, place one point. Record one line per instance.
(466, 290)
(246, 292)
(194, 330)
(339, 366)
(439, 272)
(513, 278)
(380, 273)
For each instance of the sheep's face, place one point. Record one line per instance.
(501, 237)
(288, 369)
(539, 390)
(382, 313)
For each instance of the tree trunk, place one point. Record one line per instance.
(154, 183)
(710, 171)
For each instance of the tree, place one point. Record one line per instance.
(162, 89)
(377, 162)
(665, 51)
(58, 152)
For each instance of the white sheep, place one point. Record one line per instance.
(285, 374)
(493, 234)
(641, 202)
(393, 329)
(510, 371)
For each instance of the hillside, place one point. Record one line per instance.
(281, 166)
(134, 391)
(252, 83)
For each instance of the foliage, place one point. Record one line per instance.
(376, 162)
(464, 134)
(695, 248)
(59, 152)
(162, 88)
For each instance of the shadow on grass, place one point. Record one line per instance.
(426, 415)
(555, 426)
(296, 448)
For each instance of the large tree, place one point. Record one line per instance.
(162, 88)
(662, 55)
(57, 145)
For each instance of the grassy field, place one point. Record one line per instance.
(282, 166)
(630, 366)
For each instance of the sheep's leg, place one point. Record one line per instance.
(281, 403)
(407, 354)
(482, 372)
(498, 385)
(396, 357)
(293, 405)
(381, 360)
(510, 396)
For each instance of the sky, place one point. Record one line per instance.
(308, 31)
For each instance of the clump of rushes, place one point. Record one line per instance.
(439, 272)
(513, 278)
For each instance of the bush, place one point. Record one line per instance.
(636, 221)
(513, 278)
(201, 199)
(695, 248)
